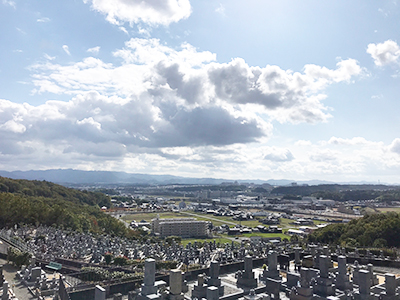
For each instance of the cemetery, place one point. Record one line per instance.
(247, 270)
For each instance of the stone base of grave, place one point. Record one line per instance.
(246, 283)
(175, 297)
(343, 284)
(301, 293)
(148, 290)
(269, 274)
(199, 292)
(358, 296)
(390, 297)
(149, 297)
(262, 296)
(324, 287)
(217, 283)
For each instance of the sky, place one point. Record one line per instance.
(231, 89)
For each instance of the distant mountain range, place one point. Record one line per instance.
(70, 176)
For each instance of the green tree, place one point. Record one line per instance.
(108, 258)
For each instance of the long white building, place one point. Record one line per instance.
(184, 227)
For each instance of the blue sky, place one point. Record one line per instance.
(230, 89)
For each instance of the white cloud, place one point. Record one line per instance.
(123, 29)
(352, 141)
(220, 9)
(10, 3)
(48, 57)
(303, 143)
(43, 20)
(20, 30)
(134, 122)
(380, 96)
(192, 78)
(178, 110)
(395, 146)
(385, 53)
(155, 12)
(66, 49)
(323, 155)
(13, 126)
(154, 134)
(144, 31)
(94, 50)
(278, 155)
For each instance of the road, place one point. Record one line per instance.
(117, 216)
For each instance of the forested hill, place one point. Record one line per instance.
(374, 230)
(341, 192)
(41, 202)
(47, 189)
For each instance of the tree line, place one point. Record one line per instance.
(372, 230)
(46, 203)
(339, 192)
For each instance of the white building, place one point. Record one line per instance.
(184, 227)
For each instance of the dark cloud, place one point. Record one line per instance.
(95, 124)
(208, 126)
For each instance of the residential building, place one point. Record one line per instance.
(184, 227)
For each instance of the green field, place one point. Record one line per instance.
(219, 220)
(149, 216)
(216, 220)
(267, 235)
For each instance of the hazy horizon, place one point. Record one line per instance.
(230, 89)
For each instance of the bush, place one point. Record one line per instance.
(108, 258)
(18, 257)
(98, 274)
(120, 260)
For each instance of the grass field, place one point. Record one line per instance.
(216, 220)
(219, 220)
(149, 216)
(267, 235)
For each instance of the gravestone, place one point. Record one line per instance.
(149, 288)
(5, 295)
(364, 292)
(272, 271)
(1, 275)
(214, 279)
(297, 260)
(175, 285)
(356, 272)
(212, 293)
(390, 288)
(246, 278)
(99, 293)
(324, 282)
(36, 273)
(292, 279)
(305, 290)
(200, 290)
(342, 278)
(132, 295)
(117, 296)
